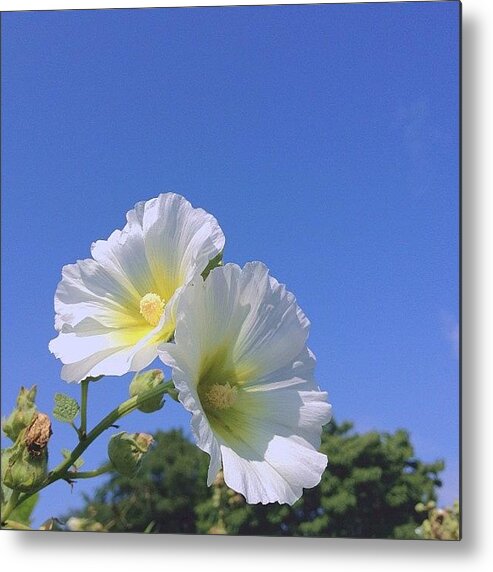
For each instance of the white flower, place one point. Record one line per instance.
(114, 309)
(242, 368)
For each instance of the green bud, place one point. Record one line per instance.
(5, 492)
(143, 382)
(22, 416)
(126, 451)
(27, 461)
(25, 473)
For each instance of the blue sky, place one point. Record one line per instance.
(323, 138)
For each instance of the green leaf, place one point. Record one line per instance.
(23, 512)
(66, 408)
(213, 263)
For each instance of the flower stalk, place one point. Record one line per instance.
(83, 408)
(106, 468)
(62, 471)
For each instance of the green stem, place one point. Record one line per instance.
(76, 429)
(62, 471)
(11, 504)
(123, 409)
(83, 407)
(90, 474)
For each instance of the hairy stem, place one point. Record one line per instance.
(62, 471)
(106, 468)
(83, 408)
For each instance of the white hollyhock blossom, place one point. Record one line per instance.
(242, 368)
(114, 309)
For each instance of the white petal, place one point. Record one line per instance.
(89, 290)
(208, 443)
(90, 349)
(187, 395)
(112, 359)
(275, 330)
(297, 373)
(179, 239)
(277, 474)
(119, 360)
(123, 257)
(209, 317)
(286, 412)
(165, 243)
(249, 313)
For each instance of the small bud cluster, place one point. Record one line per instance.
(22, 415)
(441, 523)
(25, 464)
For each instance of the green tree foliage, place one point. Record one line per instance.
(162, 497)
(369, 490)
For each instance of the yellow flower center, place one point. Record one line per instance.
(151, 308)
(221, 396)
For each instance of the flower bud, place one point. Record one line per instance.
(126, 451)
(5, 458)
(23, 472)
(38, 434)
(26, 465)
(22, 415)
(143, 382)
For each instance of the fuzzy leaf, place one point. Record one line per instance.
(66, 408)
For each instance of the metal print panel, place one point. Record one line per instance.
(230, 287)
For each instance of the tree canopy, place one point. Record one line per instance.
(369, 490)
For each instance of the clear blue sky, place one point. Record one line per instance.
(323, 138)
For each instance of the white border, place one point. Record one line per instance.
(83, 552)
